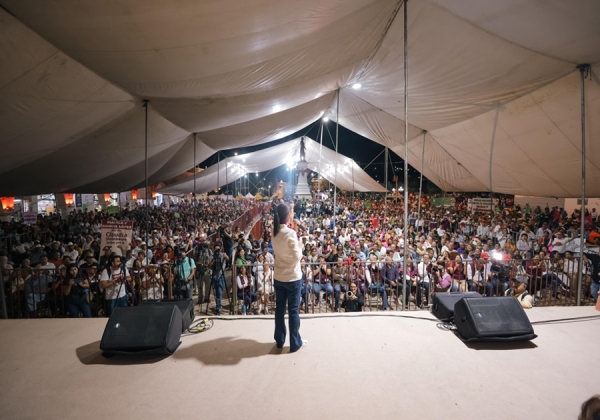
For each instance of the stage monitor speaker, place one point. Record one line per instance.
(146, 329)
(492, 319)
(443, 304)
(186, 306)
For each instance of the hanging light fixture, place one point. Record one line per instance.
(8, 203)
(134, 194)
(69, 199)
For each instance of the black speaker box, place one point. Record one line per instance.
(492, 319)
(146, 329)
(186, 306)
(443, 303)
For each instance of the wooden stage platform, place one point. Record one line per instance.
(365, 366)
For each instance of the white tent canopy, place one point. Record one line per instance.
(350, 176)
(74, 74)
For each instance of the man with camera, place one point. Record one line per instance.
(218, 263)
(185, 270)
(354, 300)
(227, 237)
(112, 281)
(203, 258)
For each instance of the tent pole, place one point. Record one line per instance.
(194, 166)
(352, 179)
(405, 228)
(145, 105)
(385, 181)
(227, 176)
(584, 70)
(218, 169)
(491, 159)
(421, 180)
(320, 151)
(337, 126)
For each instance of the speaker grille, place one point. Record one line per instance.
(491, 317)
(142, 329)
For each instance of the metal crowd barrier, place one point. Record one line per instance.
(552, 282)
(39, 293)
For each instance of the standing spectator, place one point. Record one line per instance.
(245, 284)
(152, 284)
(74, 288)
(185, 270)
(112, 281)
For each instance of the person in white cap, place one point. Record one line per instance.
(72, 252)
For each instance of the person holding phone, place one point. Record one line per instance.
(74, 288)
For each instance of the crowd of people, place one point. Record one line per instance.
(353, 256)
(57, 265)
(531, 254)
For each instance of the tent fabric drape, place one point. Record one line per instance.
(73, 76)
(351, 177)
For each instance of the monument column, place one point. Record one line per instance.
(303, 189)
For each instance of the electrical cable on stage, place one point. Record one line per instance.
(446, 325)
(201, 325)
(561, 320)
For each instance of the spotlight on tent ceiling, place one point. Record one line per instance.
(356, 86)
(325, 119)
(276, 108)
(235, 153)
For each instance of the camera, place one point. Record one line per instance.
(501, 271)
(349, 294)
(177, 253)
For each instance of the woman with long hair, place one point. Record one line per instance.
(152, 283)
(287, 275)
(246, 293)
(264, 282)
(74, 288)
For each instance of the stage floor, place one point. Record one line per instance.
(379, 366)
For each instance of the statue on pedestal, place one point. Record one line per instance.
(302, 150)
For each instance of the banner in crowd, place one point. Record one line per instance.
(30, 218)
(116, 234)
(112, 209)
(481, 204)
(88, 202)
(443, 202)
(78, 202)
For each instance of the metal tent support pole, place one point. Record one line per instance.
(320, 153)
(337, 127)
(227, 177)
(405, 228)
(353, 163)
(421, 178)
(218, 170)
(491, 159)
(385, 181)
(3, 301)
(195, 163)
(584, 70)
(145, 105)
